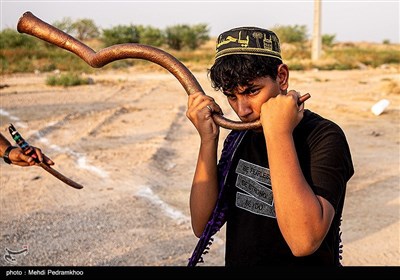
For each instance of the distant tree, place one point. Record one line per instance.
(120, 34)
(11, 39)
(196, 36)
(149, 35)
(85, 29)
(183, 35)
(82, 29)
(174, 36)
(291, 34)
(66, 25)
(328, 39)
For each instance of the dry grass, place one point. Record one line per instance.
(341, 56)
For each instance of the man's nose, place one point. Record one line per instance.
(244, 108)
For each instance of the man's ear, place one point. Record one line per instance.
(283, 77)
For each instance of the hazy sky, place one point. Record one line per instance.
(370, 21)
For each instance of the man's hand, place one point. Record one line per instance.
(18, 157)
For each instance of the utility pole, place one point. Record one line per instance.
(316, 40)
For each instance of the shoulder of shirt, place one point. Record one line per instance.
(315, 121)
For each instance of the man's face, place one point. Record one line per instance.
(246, 101)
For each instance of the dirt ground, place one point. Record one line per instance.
(127, 140)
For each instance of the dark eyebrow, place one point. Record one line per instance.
(249, 88)
(228, 93)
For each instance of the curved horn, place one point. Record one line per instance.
(30, 24)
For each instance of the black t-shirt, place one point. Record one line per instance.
(253, 237)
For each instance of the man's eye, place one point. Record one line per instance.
(231, 97)
(254, 91)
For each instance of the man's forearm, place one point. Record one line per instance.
(204, 191)
(4, 143)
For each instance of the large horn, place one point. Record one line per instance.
(30, 24)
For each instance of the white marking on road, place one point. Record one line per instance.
(177, 215)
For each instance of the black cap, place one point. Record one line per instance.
(248, 40)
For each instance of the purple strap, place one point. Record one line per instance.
(218, 217)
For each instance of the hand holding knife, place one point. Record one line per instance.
(26, 147)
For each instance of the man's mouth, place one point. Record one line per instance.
(248, 119)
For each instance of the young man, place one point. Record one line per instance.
(281, 188)
(15, 155)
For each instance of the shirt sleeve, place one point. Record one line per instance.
(330, 162)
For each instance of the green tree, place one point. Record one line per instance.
(85, 29)
(120, 34)
(174, 36)
(11, 39)
(149, 35)
(66, 25)
(196, 36)
(82, 29)
(183, 35)
(328, 39)
(291, 33)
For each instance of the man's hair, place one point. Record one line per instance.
(230, 71)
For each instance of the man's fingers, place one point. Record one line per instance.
(38, 153)
(48, 160)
